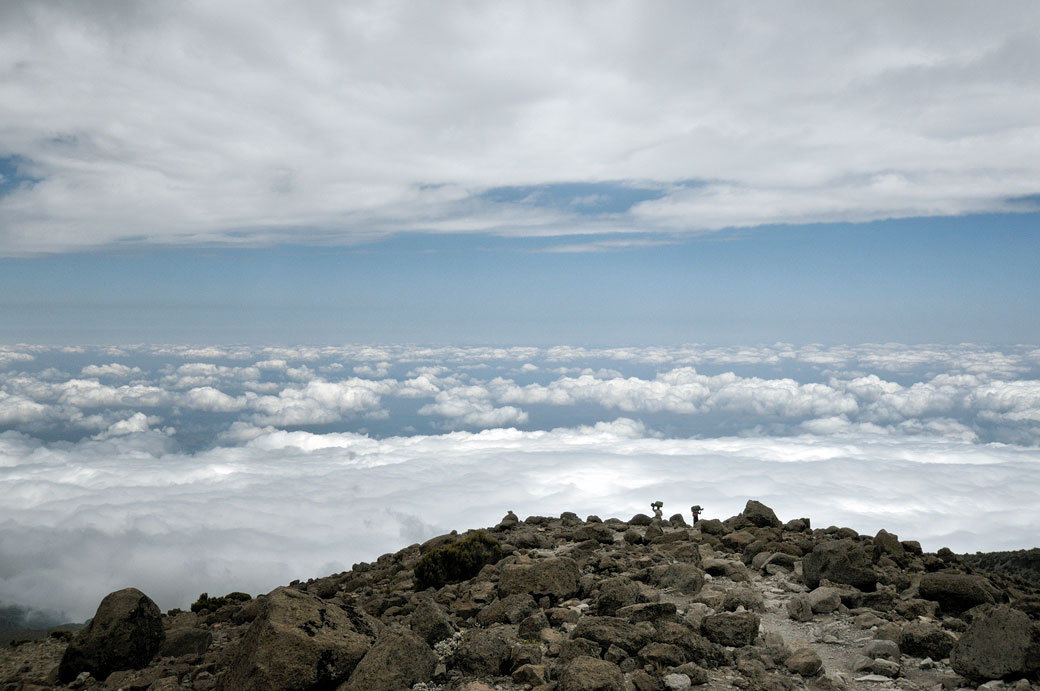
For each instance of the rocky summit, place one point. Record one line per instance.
(566, 604)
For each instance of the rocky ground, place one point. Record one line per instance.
(581, 605)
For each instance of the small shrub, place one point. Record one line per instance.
(457, 561)
(212, 604)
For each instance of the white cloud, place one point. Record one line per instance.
(345, 123)
(114, 370)
(319, 401)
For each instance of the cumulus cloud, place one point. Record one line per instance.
(830, 112)
(114, 370)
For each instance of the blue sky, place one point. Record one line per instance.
(519, 174)
(970, 278)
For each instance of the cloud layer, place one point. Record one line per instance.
(198, 123)
(188, 469)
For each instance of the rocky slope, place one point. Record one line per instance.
(581, 605)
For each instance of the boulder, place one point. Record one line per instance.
(640, 519)
(731, 628)
(591, 674)
(125, 633)
(686, 578)
(1000, 642)
(804, 661)
(839, 561)
(712, 526)
(799, 608)
(925, 639)
(556, 578)
(430, 622)
(824, 600)
(615, 593)
(485, 651)
(888, 545)
(748, 598)
(956, 592)
(297, 643)
(603, 534)
(511, 609)
(759, 515)
(608, 631)
(648, 611)
(398, 660)
(697, 648)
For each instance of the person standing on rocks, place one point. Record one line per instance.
(696, 511)
(656, 506)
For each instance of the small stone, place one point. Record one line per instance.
(885, 667)
(676, 682)
(873, 677)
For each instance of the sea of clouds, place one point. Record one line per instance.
(182, 469)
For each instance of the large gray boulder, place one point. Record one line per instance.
(956, 592)
(1000, 642)
(430, 622)
(125, 633)
(556, 578)
(731, 628)
(398, 660)
(615, 593)
(608, 631)
(839, 561)
(590, 674)
(485, 651)
(299, 642)
(686, 578)
(759, 515)
(925, 639)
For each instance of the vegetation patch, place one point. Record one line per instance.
(457, 561)
(212, 604)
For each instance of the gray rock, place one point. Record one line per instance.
(759, 515)
(430, 622)
(648, 611)
(298, 642)
(677, 682)
(125, 633)
(887, 544)
(556, 578)
(485, 651)
(398, 660)
(615, 593)
(824, 600)
(596, 531)
(686, 578)
(1000, 642)
(591, 674)
(880, 648)
(956, 592)
(731, 628)
(805, 662)
(799, 608)
(511, 609)
(839, 561)
(748, 598)
(925, 639)
(607, 631)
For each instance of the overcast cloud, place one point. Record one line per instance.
(233, 123)
(188, 469)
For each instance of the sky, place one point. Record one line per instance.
(272, 269)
